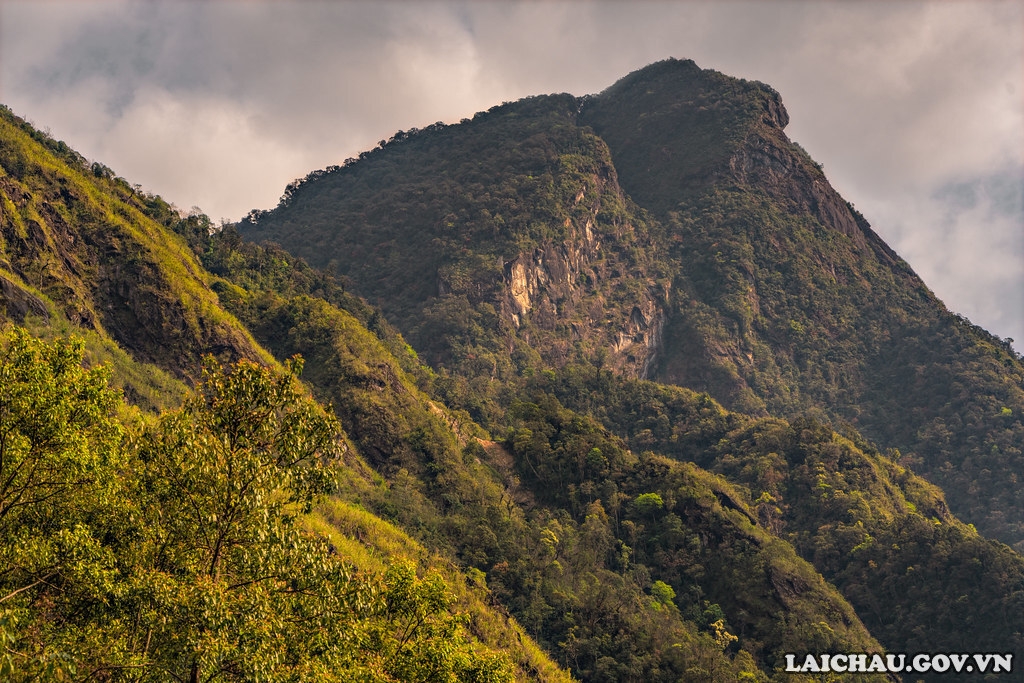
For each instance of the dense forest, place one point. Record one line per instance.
(611, 388)
(672, 232)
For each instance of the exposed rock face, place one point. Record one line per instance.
(19, 302)
(775, 113)
(651, 333)
(568, 284)
(549, 276)
(769, 162)
(554, 285)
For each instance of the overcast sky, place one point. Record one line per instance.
(916, 109)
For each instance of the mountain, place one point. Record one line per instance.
(668, 229)
(402, 459)
(786, 290)
(521, 233)
(584, 425)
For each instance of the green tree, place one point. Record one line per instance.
(231, 469)
(59, 444)
(56, 432)
(257, 597)
(182, 552)
(224, 481)
(648, 504)
(663, 594)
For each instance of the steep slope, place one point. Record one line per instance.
(78, 244)
(786, 300)
(177, 547)
(881, 534)
(666, 228)
(85, 254)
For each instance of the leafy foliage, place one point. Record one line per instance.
(180, 554)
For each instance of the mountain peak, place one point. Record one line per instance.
(674, 128)
(681, 82)
(668, 228)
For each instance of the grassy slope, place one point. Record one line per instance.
(372, 544)
(82, 241)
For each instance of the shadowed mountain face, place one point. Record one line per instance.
(786, 300)
(667, 228)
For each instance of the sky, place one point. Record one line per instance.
(915, 108)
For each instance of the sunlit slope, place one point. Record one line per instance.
(87, 255)
(79, 242)
(203, 543)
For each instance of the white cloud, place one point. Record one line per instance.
(916, 95)
(968, 243)
(209, 152)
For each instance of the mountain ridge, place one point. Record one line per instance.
(751, 278)
(509, 453)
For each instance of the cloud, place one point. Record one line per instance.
(967, 243)
(912, 93)
(209, 151)
(221, 104)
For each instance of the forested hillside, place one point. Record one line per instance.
(219, 462)
(721, 260)
(151, 531)
(522, 239)
(563, 568)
